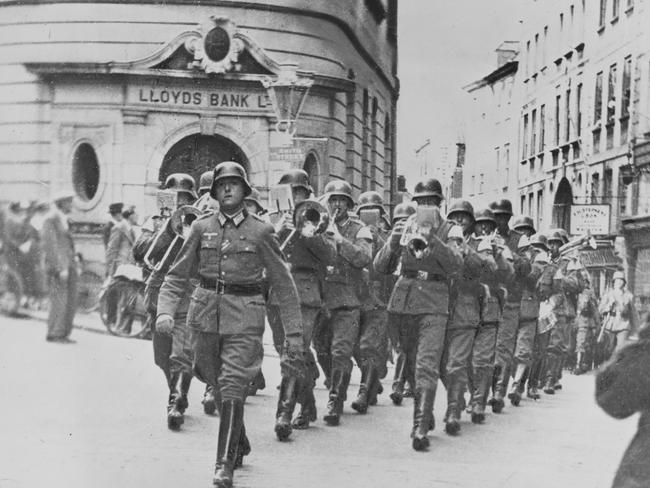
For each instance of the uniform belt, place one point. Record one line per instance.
(423, 276)
(231, 288)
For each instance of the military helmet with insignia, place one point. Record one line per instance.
(229, 169)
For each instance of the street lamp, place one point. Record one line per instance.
(287, 93)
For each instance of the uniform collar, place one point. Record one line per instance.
(236, 219)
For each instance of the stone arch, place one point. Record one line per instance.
(312, 167)
(562, 205)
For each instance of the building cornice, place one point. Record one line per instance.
(499, 73)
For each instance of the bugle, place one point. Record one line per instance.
(418, 228)
(177, 225)
(575, 245)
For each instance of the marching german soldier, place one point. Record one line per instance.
(339, 328)
(403, 371)
(61, 269)
(492, 301)
(420, 299)
(465, 314)
(371, 349)
(559, 285)
(587, 320)
(171, 347)
(507, 332)
(232, 253)
(309, 251)
(527, 329)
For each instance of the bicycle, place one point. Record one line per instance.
(126, 290)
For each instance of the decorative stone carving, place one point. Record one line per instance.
(217, 50)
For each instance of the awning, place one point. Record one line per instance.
(600, 258)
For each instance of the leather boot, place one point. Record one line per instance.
(422, 417)
(259, 383)
(333, 414)
(230, 426)
(559, 365)
(482, 382)
(307, 408)
(522, 383)
(452, 422)
(498, 402)
(580, 367)
(374, 389)
(496, 371)
(515, 394)
(398, 380)
(286, 405)
(549, 381)
(244, 448)
(209, 400)
(325, 362)
(368, 380)
(177, 403)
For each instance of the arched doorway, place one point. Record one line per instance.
(198, 153)
(562, 205)
(311, 167)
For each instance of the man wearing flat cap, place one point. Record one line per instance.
(60, 267)
(115, 211)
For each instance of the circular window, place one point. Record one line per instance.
(217, 44)
(85, 172)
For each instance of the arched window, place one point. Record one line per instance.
(85, 172)
(311, 167)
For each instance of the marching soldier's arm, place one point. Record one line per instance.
(322, 247)
(476, 265)
(281, 282)
(359, 252)
(387, 258)
(448, 258)
(506, 270)
(174, 288)
(142, 245)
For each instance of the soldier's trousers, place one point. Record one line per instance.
(228, 363)
(456, 358)
(371, 347)
(336, 335)
(557, 348)
(585, 340)
(525, 341)
(505, 341)
(423, 337)
(483, 354)
(63, 304)
(173, 353)
(537, 367)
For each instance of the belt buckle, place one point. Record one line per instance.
(423, 275)
(220, 287)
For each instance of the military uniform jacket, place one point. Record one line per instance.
(467, 291)
(227, 253)
(623, 313)
(344, 277)
(522, 267)
(554, 285)
(497, 292)
(309, 258)
(374, 290)
(423, 285)
(529, 309)
(587, 309)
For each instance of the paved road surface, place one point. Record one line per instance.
(93, 415)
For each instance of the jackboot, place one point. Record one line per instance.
(500, 388)
(398, 380)
(325, 362)
(496, 371)
(549, 380)
(374, 389)
(368, 381)
(258, 383)
(335, 403)
(515, 394)
(209, 400)
(286, 405)
(452, 418)
(522, 382)
(559, 365)
(244, 448)
(307, 408)
(230, 426)
(177, 403)
(482, 382)
(580, 367)
(422, 417)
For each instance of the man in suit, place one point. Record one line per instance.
(121, 242)
(61, 270)
(115, 210)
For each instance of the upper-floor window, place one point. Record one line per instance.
(611, 94)
(579, 110)
(524, 153)
(533, 130)
(627, 86)
(616, 5)
(603, 13)
(598, 97)
(542, 126)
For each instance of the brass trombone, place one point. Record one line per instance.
(310, 218)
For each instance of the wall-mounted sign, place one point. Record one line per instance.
(289, 154)
(226, 99)
(590, 218)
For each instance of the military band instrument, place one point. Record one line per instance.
(572, 247)
(310, 218)
(178, 225)
(418, 229)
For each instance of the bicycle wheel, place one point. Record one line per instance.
(129, 321)
(90, 285)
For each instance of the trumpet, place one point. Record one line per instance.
(571, 248)
(310, 218)
(177, 225)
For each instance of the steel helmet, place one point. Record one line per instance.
(428, 188)
(297, 178)
(538, 241)
(256, 198)
(339, 188)
(619, 275)
(229, 169)
(461, 206)
(403, 211)
(522, 222)
(205, 181)
(371, 199)
(503, 206)
(181, 183)
(558, 235)
(484, 215)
